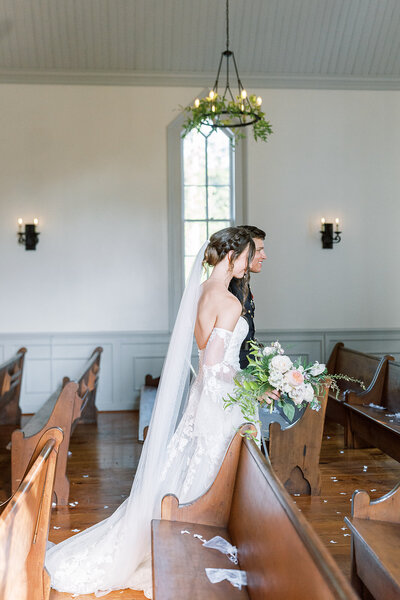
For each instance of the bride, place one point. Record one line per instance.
(116, 553)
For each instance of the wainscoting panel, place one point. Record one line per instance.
(308, 345)
(129, 356)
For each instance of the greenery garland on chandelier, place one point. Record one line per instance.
(226, 110)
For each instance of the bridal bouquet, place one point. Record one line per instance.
(271, 370)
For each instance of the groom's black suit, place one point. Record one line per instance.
(236, 290)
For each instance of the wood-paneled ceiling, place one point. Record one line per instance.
(278, 43)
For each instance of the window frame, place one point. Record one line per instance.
(176, 269)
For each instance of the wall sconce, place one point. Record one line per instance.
(29, 237)
(328, 236)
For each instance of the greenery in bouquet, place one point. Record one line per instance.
(270, 370)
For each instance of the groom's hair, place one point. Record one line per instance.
(254, 232)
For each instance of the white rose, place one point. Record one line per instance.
(317, 368)
(268, 350)
(275, 378)
(281, 363)
(297, 394)
(308, 392)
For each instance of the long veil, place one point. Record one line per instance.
(116, 551)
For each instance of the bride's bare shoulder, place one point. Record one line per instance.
(217, 299)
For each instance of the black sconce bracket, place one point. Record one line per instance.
(29, 237)
(329, 237)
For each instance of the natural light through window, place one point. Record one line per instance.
(208, 191)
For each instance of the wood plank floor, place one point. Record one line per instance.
(103, 462)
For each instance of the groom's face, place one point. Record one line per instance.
(259, 256)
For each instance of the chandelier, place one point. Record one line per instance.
(227, 110)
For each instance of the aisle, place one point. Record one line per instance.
(343, 471)
(101, 468)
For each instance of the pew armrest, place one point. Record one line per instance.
(386, 508)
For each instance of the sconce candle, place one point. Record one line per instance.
(337, 224)
(322, 224)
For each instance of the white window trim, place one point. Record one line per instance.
(175, 208)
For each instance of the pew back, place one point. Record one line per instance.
(354, 364)
(10, 388)
(283, 557)
(24, 526)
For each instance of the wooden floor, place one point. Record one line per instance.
(103, 462)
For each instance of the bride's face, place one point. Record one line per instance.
(241, 264)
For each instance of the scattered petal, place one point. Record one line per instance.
(85, 475)
(106, 506)
(332, 542)
(373, 490)
(365, 468)
(53, 504)
(72, 505)
(346, 534)
(343, 528)
(56, 527)
(325, 500)
(69, 453)
(341, 451)
(343, 493)
(328, 437)
(185, 531)
(296, 494)
(338, 512)
(75, 530)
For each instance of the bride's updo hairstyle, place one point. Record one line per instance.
(235, 239)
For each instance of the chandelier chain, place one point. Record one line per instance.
(227, 24)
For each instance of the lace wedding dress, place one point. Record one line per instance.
(115, 553)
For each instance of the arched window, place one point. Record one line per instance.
(205, 193)
(208, 188)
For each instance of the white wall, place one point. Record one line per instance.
(90, 162)
(332, 154)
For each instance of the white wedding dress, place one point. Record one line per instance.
(116, 553)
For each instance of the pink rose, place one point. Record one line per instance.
(294, 377)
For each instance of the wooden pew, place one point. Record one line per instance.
(10, 388)
(375, 545)
(370, 426)
(88, 381)
(60, 410)
(369, 369)
(248, 506)
(24, 526)
(294, 451)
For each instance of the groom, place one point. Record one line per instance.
(258, 236)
